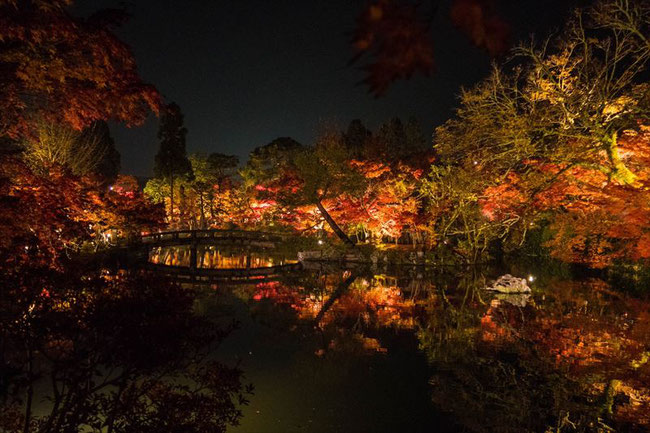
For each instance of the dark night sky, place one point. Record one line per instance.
(245, 72)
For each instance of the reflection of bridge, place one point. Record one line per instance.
(235, 238)
(209, 275)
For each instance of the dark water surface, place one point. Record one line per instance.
(332, 350)
(356, 351)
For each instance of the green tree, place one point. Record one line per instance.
(265, 160)
(209, 172)
(90, 152)
(416, 142)
(566, 101)
(356, 137)
(171, 159)
(392, 138)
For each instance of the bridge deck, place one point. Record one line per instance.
(198, 236)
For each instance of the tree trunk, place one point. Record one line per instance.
(340, 289)
(340, 233)
(171, 197)
(202, 210)
(620, 170)
(181, 205)
(30, 388)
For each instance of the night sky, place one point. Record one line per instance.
(246, 72)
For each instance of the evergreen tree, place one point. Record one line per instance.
(109, 161)
(265, 162)
(415, 140)
(210, 171)
(171, 159)
(356, 137)
(393, 137)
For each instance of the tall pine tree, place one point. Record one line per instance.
(356, 138)
(171, 159)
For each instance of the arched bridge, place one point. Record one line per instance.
(211, 236)
(237, 238)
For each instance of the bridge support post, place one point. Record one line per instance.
(193, 258)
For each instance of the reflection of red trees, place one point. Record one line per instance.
(590, 332)
(366, 305)
(278, 293)
(377, 305)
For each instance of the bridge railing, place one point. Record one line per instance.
(184, 235)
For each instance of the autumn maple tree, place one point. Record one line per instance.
(559, 138)
(57, 67)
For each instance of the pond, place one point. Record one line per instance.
(356, 350)
(367, 351)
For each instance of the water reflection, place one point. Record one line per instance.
(336, 350)
(213, 257)
(113, 353)
(573, 356)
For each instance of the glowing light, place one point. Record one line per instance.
(110, 188)
(475, 162)
(531, 278)
(320, 242)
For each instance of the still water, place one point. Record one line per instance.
(360, 351)
(213, 257)
(327, 349)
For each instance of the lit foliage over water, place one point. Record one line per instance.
(574, 354)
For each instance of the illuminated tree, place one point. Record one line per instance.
(171, 160)
(210, 172)
(562, 131)
(388, 205)
(63, 69)
(267, 161)
(88, 152)
(325, 173)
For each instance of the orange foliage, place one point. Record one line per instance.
(65, 69)
(594, 219)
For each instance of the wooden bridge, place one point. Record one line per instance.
(194, 238)
(210, 236)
